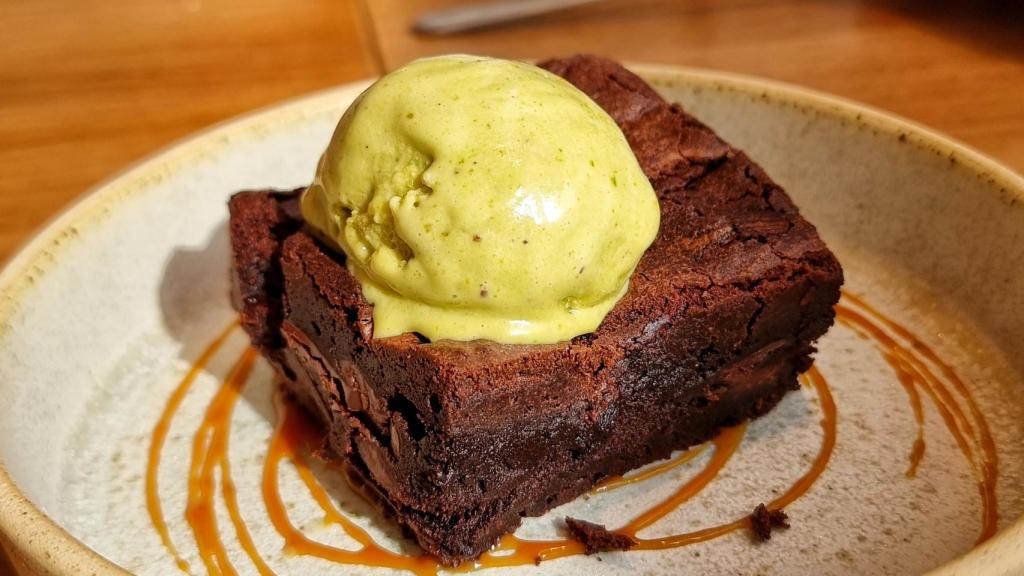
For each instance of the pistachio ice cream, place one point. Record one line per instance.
(477, 198)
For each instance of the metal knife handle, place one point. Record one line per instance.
(473, 16)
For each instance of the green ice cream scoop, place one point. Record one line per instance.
(478, 198)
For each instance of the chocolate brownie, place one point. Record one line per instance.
(596, 538)
(463, 439)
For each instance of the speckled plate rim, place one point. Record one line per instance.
(37, 542)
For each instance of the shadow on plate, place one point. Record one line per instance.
(195, 302)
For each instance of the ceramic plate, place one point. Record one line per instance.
(105, 312)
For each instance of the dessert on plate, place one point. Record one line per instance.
(507, 283)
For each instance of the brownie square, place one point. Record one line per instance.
(462, 439)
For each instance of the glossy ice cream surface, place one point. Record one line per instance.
(478, 198)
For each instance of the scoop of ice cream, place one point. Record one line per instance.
(478, 198)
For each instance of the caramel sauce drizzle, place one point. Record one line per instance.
(802, 485)
(620, 481)
(527, 551)
(515, 551)
(159, 436)
(917, 367)
(294, 433)
(209, 452)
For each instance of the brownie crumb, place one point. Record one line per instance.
(763, 520)
(596, 538)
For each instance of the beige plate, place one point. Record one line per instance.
(102, 313)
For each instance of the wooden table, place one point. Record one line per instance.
(90, 86)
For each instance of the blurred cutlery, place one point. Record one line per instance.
(474, 16)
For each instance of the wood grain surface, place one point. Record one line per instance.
(89, 86)
(957, 66)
